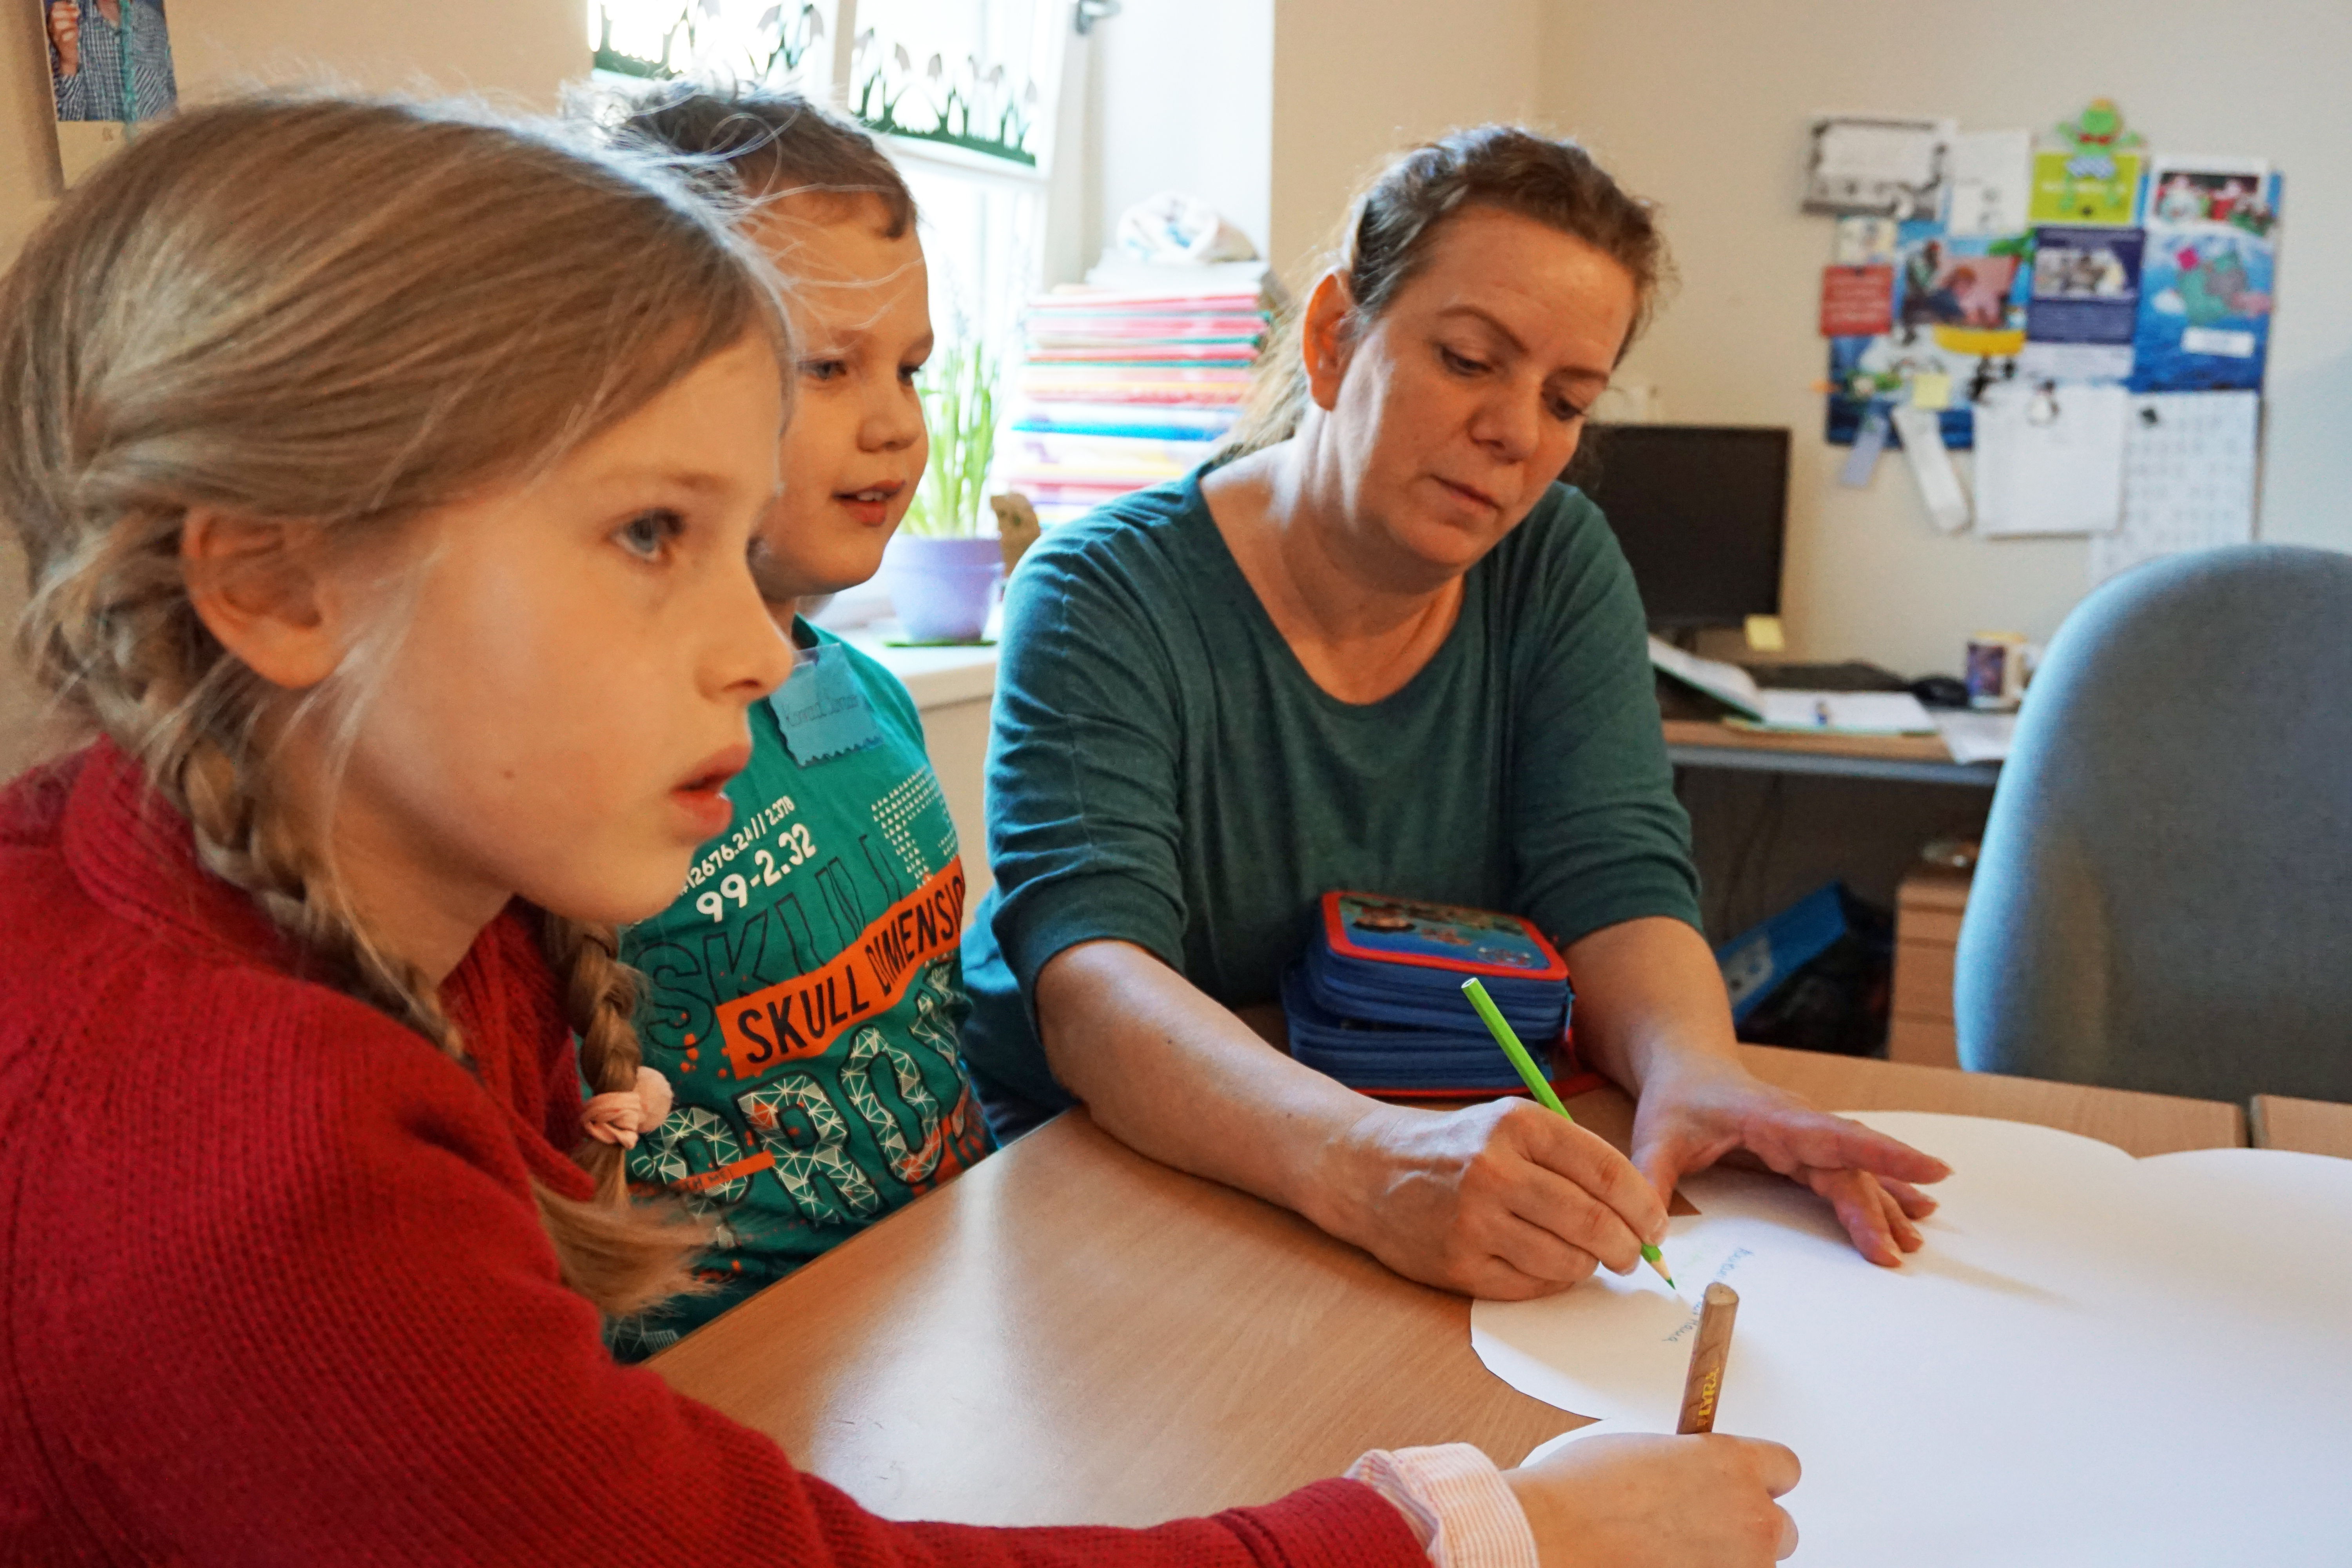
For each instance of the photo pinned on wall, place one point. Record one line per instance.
(109, 72)
(2204, 317)
(2084, 306)
(1958, 326)
(1950, 282)
(1865, 164)
(2211, 190)
(109, 59)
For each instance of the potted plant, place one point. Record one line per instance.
(940, 571)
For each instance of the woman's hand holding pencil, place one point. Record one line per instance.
(1502, 1200)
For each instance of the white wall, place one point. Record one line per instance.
(1180, 96)
(1275, 110)
(1702, 104)
(1356, 81)
(515, 52)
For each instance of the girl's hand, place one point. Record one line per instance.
(1634, 1501)
(1701, 1109)
(1504, 1200)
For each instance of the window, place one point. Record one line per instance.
(962, 93)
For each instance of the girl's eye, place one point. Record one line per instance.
(825, 369)
(1459, 363)
(648, 534)
(907, 373)
(1564, 411)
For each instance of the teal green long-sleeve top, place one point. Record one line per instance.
(1162, 770)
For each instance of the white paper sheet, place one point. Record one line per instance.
(1993, 182)
(2050, 462)
(1974, 737)
(1727, 683)
(1845, 713)
(2093, 1360)
(2190, 470)
(1931, 466)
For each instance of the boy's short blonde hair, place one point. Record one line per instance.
(760, 143)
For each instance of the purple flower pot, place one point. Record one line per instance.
(942, 588)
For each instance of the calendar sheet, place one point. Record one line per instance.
(2189, 478)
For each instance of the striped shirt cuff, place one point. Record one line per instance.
(1455, 1502)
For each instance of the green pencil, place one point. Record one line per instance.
(1499, 1026)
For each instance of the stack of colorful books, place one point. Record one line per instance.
(1127, 386)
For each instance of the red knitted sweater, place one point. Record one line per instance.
(272, 1287)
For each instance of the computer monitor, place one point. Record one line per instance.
(1700, 511)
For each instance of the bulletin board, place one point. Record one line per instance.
(2074, 299)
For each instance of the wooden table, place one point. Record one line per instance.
(2135, 1123)
(2312, 1126)
(1070, 1333)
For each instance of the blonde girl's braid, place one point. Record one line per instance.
(345, 315)
(600, 1001)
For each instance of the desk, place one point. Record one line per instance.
(2312, 1126)
(1915, 759)
(1070, 1333)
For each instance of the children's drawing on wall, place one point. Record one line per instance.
(109, 59)
(2203, 324)
(2088, 169)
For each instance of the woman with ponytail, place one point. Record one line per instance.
(1377, 645)
(386, 478)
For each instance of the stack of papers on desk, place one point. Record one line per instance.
(1974, 737)
(1821, 712)
(1727, 683)
(1842, 713)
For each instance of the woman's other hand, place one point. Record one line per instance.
(1504, 1200)
(1650, 1014)
(1634, 1501)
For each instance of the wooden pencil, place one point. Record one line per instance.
(1709, 1356)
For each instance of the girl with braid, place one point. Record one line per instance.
(386, 478)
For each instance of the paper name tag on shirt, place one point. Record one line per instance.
(820, 710)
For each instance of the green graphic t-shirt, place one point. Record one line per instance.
(804, 993)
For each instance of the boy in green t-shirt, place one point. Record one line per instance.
(804, 993)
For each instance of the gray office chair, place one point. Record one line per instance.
(2165, 897)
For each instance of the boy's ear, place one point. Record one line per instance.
(256, 586)
(1327, 339)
